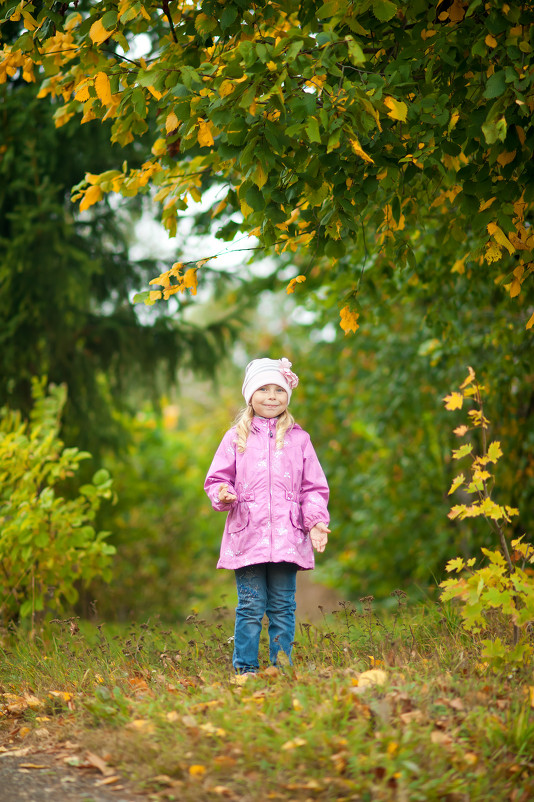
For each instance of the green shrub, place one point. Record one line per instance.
(48, 542)
(496, 598)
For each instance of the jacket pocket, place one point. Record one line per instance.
(238, 518)
(295, 515)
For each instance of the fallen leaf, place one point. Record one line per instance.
(108, 780)
(26, 750)
(375, 676)
(138, 685)
(441, 738)
(411, 716)
(141, 725)
(470, 758)
(196, 770)
(294, 743)
(32, 766)
(98, 763)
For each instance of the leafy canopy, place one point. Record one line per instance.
(328, 126)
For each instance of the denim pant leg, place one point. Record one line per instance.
(251, 603)
(281, 605)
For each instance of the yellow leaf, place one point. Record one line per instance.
(471, 376)
(155, 295)
(375, 676)
(530, 322)
(190, 280)
(142, 725)
(171, 123)
(459, 480)
(493, 253)
(294, 743)
(455, 565)
(98, 33)
(159, 147)
(398, 110)
(103, 88)
(64, 696)
(81, 92)
(260, 176)
(349, 320)
(162, 280)
(204, 136)
(506, 157)
(226, 88)
(245, 208)
(155, 93)
(196, 770)
(461, 430)
(459, 265)
(454, 401)
(91, 196)
(291, 285)
(515, 288)
(494, 451)
(490, 40)
(486, 205)
(500, 237)
(358, 150)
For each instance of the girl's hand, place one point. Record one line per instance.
(225, 496)
(319, 536)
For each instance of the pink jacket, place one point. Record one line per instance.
(281, 495)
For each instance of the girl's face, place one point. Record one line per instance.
(269, 401)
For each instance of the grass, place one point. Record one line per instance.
(374, 708)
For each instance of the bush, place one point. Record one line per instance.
(48, 542)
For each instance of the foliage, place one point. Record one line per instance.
(415, 716)
(48, 542)
(163, 525)
(333, 127)
(498, 587)
(371, 404)
(67, 278)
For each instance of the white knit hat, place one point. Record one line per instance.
(268, 371)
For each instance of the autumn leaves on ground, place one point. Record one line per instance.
(377, 706)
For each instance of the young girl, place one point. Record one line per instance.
(266, 474)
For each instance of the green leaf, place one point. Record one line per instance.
(228, 17)
(496, 85)
(494, 130)
(101, 477)
(384, 10)
(312, 129)
(332, 8)
(462, 451)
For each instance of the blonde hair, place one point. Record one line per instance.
(243, 424)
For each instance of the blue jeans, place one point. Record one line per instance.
(264, 588)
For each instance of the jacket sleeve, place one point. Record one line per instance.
(222, 470)
(314, 490)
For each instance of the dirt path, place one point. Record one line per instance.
(311, 596)
(29, 774)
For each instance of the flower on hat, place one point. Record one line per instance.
(285, 369)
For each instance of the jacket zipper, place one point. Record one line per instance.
(270, 489)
